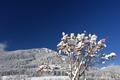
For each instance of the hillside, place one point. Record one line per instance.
(26, 61)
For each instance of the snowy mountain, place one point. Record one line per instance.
(106, 73)
(26, 61)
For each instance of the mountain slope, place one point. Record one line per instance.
(27, 60)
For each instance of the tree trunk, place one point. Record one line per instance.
(76, 75)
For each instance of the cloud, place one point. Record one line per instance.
(2, 47)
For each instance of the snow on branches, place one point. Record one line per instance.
(71, 43)
(85, 49)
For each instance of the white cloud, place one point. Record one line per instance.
(3, 46)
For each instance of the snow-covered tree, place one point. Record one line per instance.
(84, 50)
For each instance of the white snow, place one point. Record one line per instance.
(37, 78)
(72, 35)
(110, 55)
(63, 33)
(51, 78)
(93, 37)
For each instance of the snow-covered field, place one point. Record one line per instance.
(51, 78)
(36, 78)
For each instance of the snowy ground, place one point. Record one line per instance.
(36, 78)
(51, 78)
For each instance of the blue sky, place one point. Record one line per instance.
(36, 24)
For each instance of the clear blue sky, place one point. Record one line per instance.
(35, 24)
